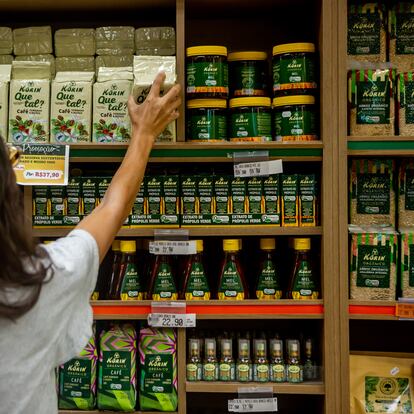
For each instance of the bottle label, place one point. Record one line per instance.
(255, 125)
(304, 286)
(207, 77)
(243, 372)
(231, 286)
(277, 373)
(210, 127)
(197, 287)
(226, 372)
(248, 79)
(293, 73)
(364, 34)
(210, 372)
(164, 284)
(131, 285)
(268, 286)
(194, 372)
(76, 379)
(261, 372)
(294, 373)
(295, 125)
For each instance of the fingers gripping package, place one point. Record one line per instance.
(145, 70)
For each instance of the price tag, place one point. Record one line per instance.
(170, 247)
(43, 164)
(404, 309)
(171, 320)
(258, 169)
(253, 405)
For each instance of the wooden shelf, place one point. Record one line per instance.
(376, 310)
(111, 412)
(216, 309)
(199, 152)
(380, 145)
(314, 388)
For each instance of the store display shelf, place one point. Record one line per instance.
(315, 388)
(379, 310)
(216, 309)
(380, 145)
(109, 412)
(195, 152)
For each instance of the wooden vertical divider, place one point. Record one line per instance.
(181, 361)
(180, 52)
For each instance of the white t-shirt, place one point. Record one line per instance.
(55, 330)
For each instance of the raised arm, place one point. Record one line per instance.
(148, 121)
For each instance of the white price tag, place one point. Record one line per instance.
(173, 247)
(258, 169)
(171, 320)
(253, 405)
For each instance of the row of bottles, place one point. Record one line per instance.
(154, 277)
(269, 363)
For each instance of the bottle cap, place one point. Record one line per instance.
(128, 246)
(232, 245)
(47, 241)
(302, 244)
(116, 245)
(199, 246)
(226, 345)
(267, 244)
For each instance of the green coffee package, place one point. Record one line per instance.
(33, 40)
(407, 263)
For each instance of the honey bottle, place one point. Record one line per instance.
(114, 276)
(162, 284)
(131, 281)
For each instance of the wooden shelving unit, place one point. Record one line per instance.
(374, 310)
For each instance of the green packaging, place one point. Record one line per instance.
(57, 200)
(290, 195)
(238, 195)
(171, 205)
(255, 195)
(46, 213)
(155, 194)
(117, 381)
(189, 204)
(308, 200)
(41, 201)
(77, 380)
(102, 184)
(158, 360)
(222, 195)
(90, 194)
(205, 186)
(271, 193)
(74, 201)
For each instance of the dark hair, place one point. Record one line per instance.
(24, 264)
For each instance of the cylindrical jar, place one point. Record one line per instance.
(207, 72)
(248, 74)
(206, 120)
(294, 69)
(295, 118)
(250, 119)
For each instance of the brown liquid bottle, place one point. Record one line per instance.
(196, 286)
(116, 248)
(162, 284)
(232, 284)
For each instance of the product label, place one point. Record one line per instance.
(294, 373)
(205, 194)
(226, 371)
(164, 284)
(231, 286)
(268, 286)
(293, 73)
(261, 372)
(373, 193)
(210, 77)
(388, 395)
(297, 125)
(154, 191)
(210, 372)
(111, 121)
(409, 102)
(189, 195)
(253, 126)
(171, 195)
(248, 79)
(364, 34)
(277, 373)
(158, 373)
(405, 33)
(57, 201)
(76, 378)
(116, 370)
(304, 285)
(197, 287)
(374, 266)
(41, 198)
(194, 372)
(238, 198)
(411, 266)
(307, 200)
(131, 284)
(211, 127)
(409, 190)
(244, 372)
(373, 102)
(290, 200)
(90, 195)
(74, 194)
(271, 194)
(255, 195)
(222, 193)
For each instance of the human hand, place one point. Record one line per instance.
(152, 116)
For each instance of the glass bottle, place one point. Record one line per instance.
(268, 282)
(309, 367)
(113, 278)
(210, 365)
(196, 286)
(244, 364)
(294, 369)
(232, 284)
(303, 284)
(194, 366)
(261, 364)
(277, 361)
(227, 365)
(162, 284)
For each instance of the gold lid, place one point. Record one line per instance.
(232, 245)
(267, 244)
(250, 101)
(293, 47)
(294, 100)
(207, 50)
(128, 246)
(116, 245)
(253, 55)
(207, 103)
(302, 244)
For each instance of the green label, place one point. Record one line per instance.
(304, 282)
(294, 373)
(409, 102)
(411, 266)
(194, 372)
(76, 378)
(268, 279)
(373, 193)
(248, 79)
(158, 373)
(271, 194)
(261, 372)
(298, 124)
(207, 127)
(364, 34)
(405, 33)
(116, 370)
(205, 192)
(409, 190)
(373, 102)
(293, 73)
(255, 194)
(244, 372)
(238, 191)
(188, 195)
(226, 371)
(197, 282)
(231, 284)
(207, 77)
(131, 284)
(251, 125)
(171, 195)
(290, 196)
(277, 373)
(164, 284)
(210, 371)
(387, 395)
(373, 266)
(222, 192)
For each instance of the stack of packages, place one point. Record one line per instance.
(6, 58)
(6, 46)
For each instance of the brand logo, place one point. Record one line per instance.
(204, 122)
(408, 25)
(210, 68)
(113, 91)
(72, 87)
(373, 92)
(77, 368)
(116, 359)
(294, 65)
(289, 181)
(307, 180)
(29, 88)
(296, 117)
(364, 26)
(242, 120)
(158, 363)
(374, 256)
(374, 185)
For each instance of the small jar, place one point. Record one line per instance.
(294, 71)
(250, 119)
(248, 74)
(207, 72)
(295, 118)
(207, 120)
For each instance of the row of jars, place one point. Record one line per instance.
(214, 73)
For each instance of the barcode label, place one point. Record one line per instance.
(253, 405)
(171, 320)
(258, 169)
(173, 247)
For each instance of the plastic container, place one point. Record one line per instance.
(250, 119)
(207, 72)
(248, 74)
(294, 69)
(207, 120)
(295, 118)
